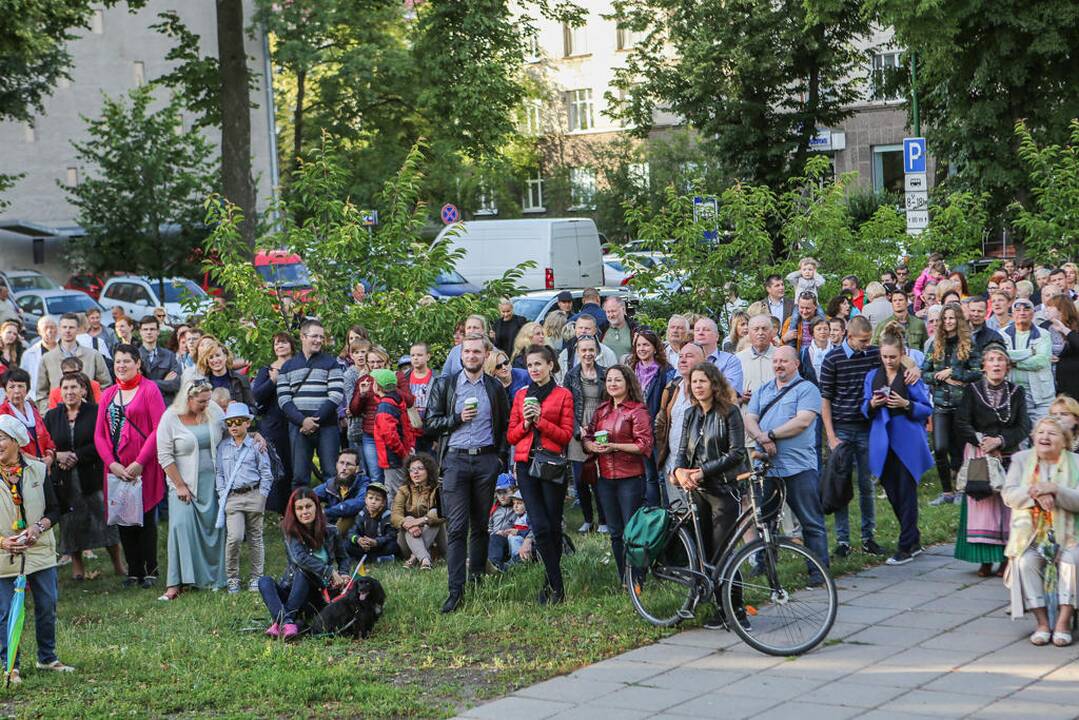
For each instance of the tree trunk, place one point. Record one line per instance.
(237, 184)
(297, 120)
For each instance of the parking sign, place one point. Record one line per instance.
(914, 155)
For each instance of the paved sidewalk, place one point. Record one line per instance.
(924, 640)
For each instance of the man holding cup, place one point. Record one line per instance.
(470, 411)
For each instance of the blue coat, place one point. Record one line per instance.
(901, 432)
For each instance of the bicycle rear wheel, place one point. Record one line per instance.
(665, 593)
(766, 577)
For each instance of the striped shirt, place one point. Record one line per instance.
(842, 380)
(310, 387)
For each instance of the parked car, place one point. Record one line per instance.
(138, 295)
(283, 272)
(452, 284)
(18, 280)
(86, 282)
(535, 305)
(617, 269)
(565, 251)
(33, 304)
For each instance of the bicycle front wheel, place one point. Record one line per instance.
(763, 577)
(665, 593)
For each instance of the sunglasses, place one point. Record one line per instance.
(236, 422)
(199, 384)
(501, 365)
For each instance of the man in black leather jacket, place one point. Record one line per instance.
(470, 412)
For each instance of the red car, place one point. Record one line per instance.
(87, 283)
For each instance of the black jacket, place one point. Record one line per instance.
(974, 416)
(164, 363)
(575, 385)
(506, 332)
(714, 444)
(441, 419)
(836, 490)
(377, 528)
(240, 389)
(90, 468)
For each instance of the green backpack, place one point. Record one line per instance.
(645, 536)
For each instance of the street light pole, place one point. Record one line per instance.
(915, 114)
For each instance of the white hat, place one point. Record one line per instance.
(14, 429)
(238, 410)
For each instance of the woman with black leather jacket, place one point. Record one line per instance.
(711, 454)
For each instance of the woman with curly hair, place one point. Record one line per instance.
(531, 333)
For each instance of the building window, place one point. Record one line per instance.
(883, 65)
(138, 70)
(579, 109)
(888, 168)
(533, 116)
(532, 48)
(485, 201)
(582, 188)
(28, 133)
(72, 177)
(627, 38)
(575, 40)
(97, 22)
(533, 198)
(639, 175)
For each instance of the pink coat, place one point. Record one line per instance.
(138, 440)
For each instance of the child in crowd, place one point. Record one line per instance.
(222, 397)
(500, 523)
(520, 537)
(343, 497)
(373, 534)
(420, 378)
(357, 352)
(243, 481)
(806, 278)
(393, 435)
(317, 559)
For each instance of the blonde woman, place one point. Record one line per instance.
(1042, 489)
(553, 325)
(1066, 410)
(215, 364)
(531, 333)
(497, 365)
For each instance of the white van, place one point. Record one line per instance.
(566, 251)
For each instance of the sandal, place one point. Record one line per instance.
(1062, 638)
(411, 562)
(169, 596)
(1040, 637)
(985, 570)
(425, 564)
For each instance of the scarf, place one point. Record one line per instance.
(130, 384)
(1051, 527)
(540, 391)
(646, 374)
(898, 385)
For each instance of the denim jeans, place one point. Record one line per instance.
(544, 503)
(370, 458)
(858, 435)
(327, 442)
(654, 495)
(585, 495)
(42, 585)
(622, 498)
(286, 601)
(803, 497)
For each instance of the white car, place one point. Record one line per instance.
(617, 269)
(137, 296)
(19, 280)
(33, 304)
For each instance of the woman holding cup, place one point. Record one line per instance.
(620, 435)
(541, 426)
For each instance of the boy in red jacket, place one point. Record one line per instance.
(393, 432)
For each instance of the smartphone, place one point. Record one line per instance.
(882, 392)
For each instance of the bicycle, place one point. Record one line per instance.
(764, 572)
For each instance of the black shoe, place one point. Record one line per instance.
(870, 546)
(148, 582)
(743, 619)
(916, 551)
(556, 597)
(900, 558)
(842, 550)
(475, 578)
(544, 595)
(130, 582)
(717, 621)
(452, 601)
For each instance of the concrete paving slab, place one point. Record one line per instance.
(569, 688)
(723, 705)
(848, 693)
(935, 704)
(666, 654)
(619, 671)
(929, 621)
(807, 711)
(640, 697)
(519, 708)
(686, 678)
(1012, 708)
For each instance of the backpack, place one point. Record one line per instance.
(645, 536)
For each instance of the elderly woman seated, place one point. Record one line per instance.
(1042, 489)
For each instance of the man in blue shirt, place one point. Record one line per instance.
(706, 334)
(786, 430)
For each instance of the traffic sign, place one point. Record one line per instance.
(915, 182)
(369, 217)
(917, 200)
(917, 220)
(913, 155)
(450, 214)
(706, 211)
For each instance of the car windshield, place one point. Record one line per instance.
(20, 283)
(177, 290)
(74, 303)
(615, 265)
(529, 308)
(291, 275)
(450, 277)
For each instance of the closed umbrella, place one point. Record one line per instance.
(15, 620)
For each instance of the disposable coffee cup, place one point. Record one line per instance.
(601, 437)
(531, 401)
(472, 403)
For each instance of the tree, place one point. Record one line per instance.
(981, 67)
(1051, 225)
(756, 79)
(339, 251)
(237, 182)
(140, 205)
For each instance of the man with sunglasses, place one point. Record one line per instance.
(1030, 350)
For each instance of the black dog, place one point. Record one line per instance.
(353, 614)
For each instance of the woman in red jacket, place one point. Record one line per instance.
(542, 416)
(627, 441)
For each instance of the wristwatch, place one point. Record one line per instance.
(772, 435)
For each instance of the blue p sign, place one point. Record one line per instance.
(913, 155)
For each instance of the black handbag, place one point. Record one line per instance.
(549, 466)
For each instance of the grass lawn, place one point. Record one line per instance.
(205, 655)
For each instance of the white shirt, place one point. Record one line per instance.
(816, 355)
(756, 371)
(87, 341)
(674, 437)
(31, 362)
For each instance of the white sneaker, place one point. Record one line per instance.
(55, 666)
(585, 527)
(603, 529)
(233, 586)
(253, 586)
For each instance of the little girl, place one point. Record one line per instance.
(317, 559)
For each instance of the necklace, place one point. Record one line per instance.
(13, 478)
(982, 390)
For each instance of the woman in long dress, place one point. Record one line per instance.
(187, 438)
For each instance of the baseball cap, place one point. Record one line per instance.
(565, 296)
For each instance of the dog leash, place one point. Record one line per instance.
(359, 570)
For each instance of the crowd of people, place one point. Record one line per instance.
(105, 431)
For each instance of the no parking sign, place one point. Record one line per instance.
(450, 214)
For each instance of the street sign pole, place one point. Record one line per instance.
(915, 183)
(915, 115)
